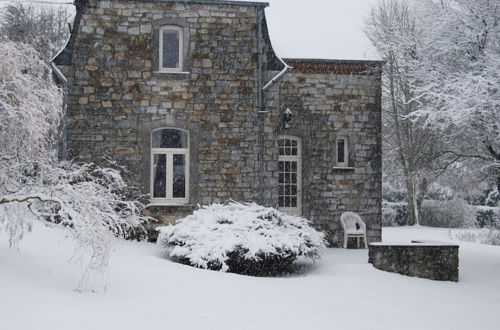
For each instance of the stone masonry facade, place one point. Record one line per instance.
(117, 97)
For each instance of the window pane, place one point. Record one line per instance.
(179, 179)
(280, 190)
(287, 201)
(159, 176)
(281, 201)
(170, 138)
(170, 49)
(340, 151)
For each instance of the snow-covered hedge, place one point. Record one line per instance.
(241, 238)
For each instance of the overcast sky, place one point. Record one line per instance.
(330, 29)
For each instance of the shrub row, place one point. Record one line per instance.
(454, 213)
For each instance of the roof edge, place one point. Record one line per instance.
(215, 2)
(333, 61)
(322, 66)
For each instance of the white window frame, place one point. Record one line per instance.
(345, 163)
(298, 158)
(161, 68)
(169, 152)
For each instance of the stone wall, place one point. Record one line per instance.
(331, 99)
(431, 260)
(117, 97)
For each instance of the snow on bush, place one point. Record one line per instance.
(455, 213)
(484, 236)
(241, 238)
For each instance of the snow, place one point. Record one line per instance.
(208, 236)
(147, 291)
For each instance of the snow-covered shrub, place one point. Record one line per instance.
(440, 193)
(401, 212)
(455, 213)
(484, 236)
(241, 238)
(488, 217)
(389, 217)
(393, 192)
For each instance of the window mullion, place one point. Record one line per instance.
(170, 175)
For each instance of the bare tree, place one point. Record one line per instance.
(393, 30)
(43, 27)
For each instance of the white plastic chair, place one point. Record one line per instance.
(353, 227)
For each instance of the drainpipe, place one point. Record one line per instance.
(63, 145)
(262, 101)
(278, 76)
(262, 112)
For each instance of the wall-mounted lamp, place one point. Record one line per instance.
(287, 118)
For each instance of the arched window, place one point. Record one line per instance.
(170, 166)
(290, 175)
(171, 48)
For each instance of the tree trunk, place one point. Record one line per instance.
(410, 199)
(422, 191)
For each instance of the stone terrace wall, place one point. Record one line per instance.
(331, 99)
(433, 260)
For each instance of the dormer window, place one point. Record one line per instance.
(171, 49)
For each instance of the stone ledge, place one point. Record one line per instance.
(432, 260)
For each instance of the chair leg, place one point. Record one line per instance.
(366, 243)
(357, 242)
(345, 241)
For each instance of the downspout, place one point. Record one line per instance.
(63, 145)
(262, 100)
(261, 112)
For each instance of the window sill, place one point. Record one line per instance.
(171, 74)
(168, 205)
(343, 168)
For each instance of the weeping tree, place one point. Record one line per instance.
(93, 204)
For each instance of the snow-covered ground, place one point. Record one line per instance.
(146, 291)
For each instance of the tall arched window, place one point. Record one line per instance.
(170, 166)
(171, 48)
(290, 175)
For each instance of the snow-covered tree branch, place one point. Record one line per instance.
(91, 202)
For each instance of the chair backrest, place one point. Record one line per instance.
(350, 219)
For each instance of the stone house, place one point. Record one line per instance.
(190, 97)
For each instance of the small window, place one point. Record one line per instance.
(171, 47)
(342, 152)
(169, 166)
